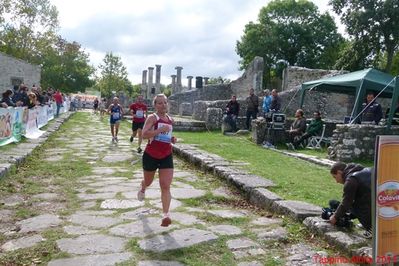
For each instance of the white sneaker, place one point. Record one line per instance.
(140, 195)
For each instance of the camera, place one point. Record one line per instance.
(344, 221)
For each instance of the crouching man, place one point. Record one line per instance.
(357, 192)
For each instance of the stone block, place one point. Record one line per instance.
(213, 118)
(263, 198)
(298, 210)
(318, 225)
(346, 241)
(185, 109)
(248, 182)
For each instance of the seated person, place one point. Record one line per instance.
(314, 128)
(357, 192)
(232, 110)
(298, 127)
(373, 112)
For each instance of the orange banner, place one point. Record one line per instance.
(386, 229)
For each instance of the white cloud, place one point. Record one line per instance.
(199, 35)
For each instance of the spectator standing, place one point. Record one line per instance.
(252, 102)
(275, 104)
(232, 110)
(139, 114)
(57, 96)
(95, 105)
(267, 100)
(372, 110)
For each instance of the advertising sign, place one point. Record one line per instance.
(386, 195)
(6, 126)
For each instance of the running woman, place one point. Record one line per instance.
(115, 111)
(158, 154)
(139, 113)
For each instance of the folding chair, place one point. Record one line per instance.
(316, 141)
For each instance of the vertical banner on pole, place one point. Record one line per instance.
(386, 200)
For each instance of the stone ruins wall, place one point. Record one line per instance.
(294, 76)
(356, 142)
(252, 78)
(16, 70)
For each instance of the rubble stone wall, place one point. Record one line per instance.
(15, 69)
(353, 142)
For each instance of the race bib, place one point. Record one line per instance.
(139, 113)
(164, 136)
(116, 115)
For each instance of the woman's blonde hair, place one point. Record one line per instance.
(154, 101)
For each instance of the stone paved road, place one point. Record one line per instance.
(104, 224)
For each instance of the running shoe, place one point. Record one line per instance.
(116, 139)
(131, 138)
(166, 221)
(139, 150)
(140, 195)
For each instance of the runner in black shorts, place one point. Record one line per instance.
(139, 114)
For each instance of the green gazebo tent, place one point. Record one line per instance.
(358, 83)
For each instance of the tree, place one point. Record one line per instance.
(373, 26)
(113, 76)
(24, 24)
(66, 67)
(293, 31)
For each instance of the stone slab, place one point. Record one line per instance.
(229, 213)
(173, 204)
(225, 230)
(275, 234)
(94, 221)
(121, 204)
(139, 213)
(23, 242)
(159, 263)
(141, 228)
(113, 158)
(185, 193)
(241, 243)
(95, 196)
(78, 230)
(90, 260)
(39, 223)
(265, 221)
(12, 200)
(263, 198)
(296, 209)
(176, 240)
(92, 244)
(346, 241)
(46, 196)
(249, 182)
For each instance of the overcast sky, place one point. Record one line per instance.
(199, 35)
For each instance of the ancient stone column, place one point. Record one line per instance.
(150, 88)
(174, 87)
(158, 79)
(190, 79)
(206, 79)
(178, 78)
(144, 85)
(198, 82)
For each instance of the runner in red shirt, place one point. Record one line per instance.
(158, 154)
(139, 113)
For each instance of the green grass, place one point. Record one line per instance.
(294, 179)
